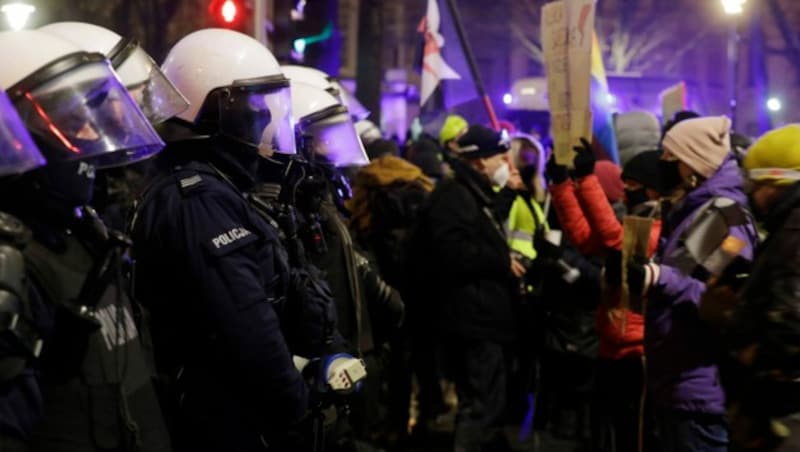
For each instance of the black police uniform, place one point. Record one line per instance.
(311, 310)
(20, 340)
(93, 383)
(207, 267)
(340, 263)
(361, 296)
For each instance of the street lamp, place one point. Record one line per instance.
(17, 14)
(774, 104)
(734, 8)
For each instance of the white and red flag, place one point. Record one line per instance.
(434, 67)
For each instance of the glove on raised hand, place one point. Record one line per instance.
(554, 172)
(584, 159)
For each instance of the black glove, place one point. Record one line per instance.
(584, 159)
(636, 275)
(556, 173)
(613, 268)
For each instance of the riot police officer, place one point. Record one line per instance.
(95, 385)
(330, 142)
(212, 269)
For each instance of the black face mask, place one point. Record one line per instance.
(635, 197)
(69, 183)
(670, 175)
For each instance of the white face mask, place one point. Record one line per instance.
(501, 175)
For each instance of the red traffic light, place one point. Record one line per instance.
(227, 13)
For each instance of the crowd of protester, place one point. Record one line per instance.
(546, 326)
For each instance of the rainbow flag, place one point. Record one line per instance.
(604, 137)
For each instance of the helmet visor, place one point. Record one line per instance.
(356, 108)
(260, 116)
(157, 97)
(335, 139)
(18, 154)
(85, 113)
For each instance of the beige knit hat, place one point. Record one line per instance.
(701, 143)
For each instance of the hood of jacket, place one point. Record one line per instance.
(726, 182)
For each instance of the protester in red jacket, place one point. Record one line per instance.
(586, 214)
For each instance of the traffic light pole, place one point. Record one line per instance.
(259, 20)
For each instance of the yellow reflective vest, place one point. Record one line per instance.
(521, 226)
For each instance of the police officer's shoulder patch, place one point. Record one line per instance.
(189, 182)
(229, 240)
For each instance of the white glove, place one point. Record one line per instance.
(343, 372)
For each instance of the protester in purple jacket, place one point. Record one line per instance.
(709, 206)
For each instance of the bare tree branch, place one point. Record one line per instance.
(525, 28)
(789, 35)
(689, 45)
(635, 35)
(533, 47)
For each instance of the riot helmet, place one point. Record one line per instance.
(72, 102)
(315, 77)
(235, 89)
(154, 93)
(368, 131)
(329, 125)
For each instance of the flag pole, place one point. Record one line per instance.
(473, 68)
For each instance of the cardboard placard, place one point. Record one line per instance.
(673, 100)
(567, 30)
(635, 242)
(554, 45)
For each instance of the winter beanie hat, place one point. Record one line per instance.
(775, 156)
(637, 131)
(644, 169)
(454, 126)
(701, 143)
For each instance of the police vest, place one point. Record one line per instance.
(96, 378)
(310, 308)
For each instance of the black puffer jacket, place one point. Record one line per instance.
(467, 254)
(768, 314)
(568, 309)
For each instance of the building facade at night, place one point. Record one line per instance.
(647, 44)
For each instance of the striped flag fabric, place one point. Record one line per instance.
(604, 138)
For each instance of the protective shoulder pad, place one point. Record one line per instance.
(13, 231)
